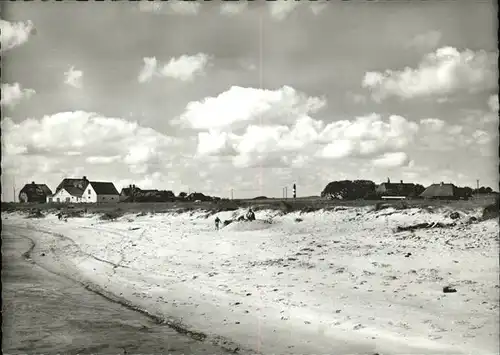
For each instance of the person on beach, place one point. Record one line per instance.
(217, 222)
(250, 215)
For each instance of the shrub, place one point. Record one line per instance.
(309, 209)
(380, 206)
(285, 207)
(112, 215)
(492, 211)
(36, 213)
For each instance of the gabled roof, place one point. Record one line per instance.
(71, 183)
(36, 190)
(104, 188)
(440, 190)
(74, 191)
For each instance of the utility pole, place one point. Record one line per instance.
(232, 196)
(294, 191)
(14, 190)
(286, 192)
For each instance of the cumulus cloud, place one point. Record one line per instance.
(433, 124)
(260, 127)
(73, 78)
(425, 41)
(443, 72)
(102, 159)
(181, 7)
(280, 9)
(185, 7)
(186, 67)
(148, 70)
(282, 144)
(183, 68)
(14, 34)
(493, 103)
(233, 8)
(95, 138)
(245, 105)
(13, 94)
(391, 160)
(317, 7)
(367, 136)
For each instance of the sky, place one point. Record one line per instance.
(249, 96)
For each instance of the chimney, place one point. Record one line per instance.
(32, 183)
(442, 183)
(401, 181)
(84, 178)
(388, 180)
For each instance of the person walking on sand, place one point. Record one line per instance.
(250, 215)
(217, 222)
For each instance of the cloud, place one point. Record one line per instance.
(443, 72)
(12, 94)
(183, 68)
(317, 7)
(258, 127)
(391, 160)
(240, 105)
(493, 103)
(102, 159)
(433, 124)
(425, 41)
(14, 34)
(73, 78)
(280, 10)
(185, 7)
(148, 70)
(181, 7)
(367, 136)
(90, 137)
(231, 9)
(186, 67)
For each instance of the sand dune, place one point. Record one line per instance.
(331, 282)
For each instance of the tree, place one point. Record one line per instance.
(182, 194)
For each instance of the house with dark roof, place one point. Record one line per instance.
(85, 191)
(34, 193)
(400, 189)
(136, 194)
(442, 191)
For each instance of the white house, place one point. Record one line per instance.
(66, 195)
(100, 192)
(84, 191)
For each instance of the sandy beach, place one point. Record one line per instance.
(321, 282)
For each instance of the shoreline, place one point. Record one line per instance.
(87, 284)
(347, 339)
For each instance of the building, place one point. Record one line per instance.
(34, 193)
(442, 191)
(133, 193)
(84, 191)
(400, 190)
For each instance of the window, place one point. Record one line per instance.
(89, 191)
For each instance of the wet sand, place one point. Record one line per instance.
(47, 313)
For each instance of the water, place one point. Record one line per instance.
(46, 313)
